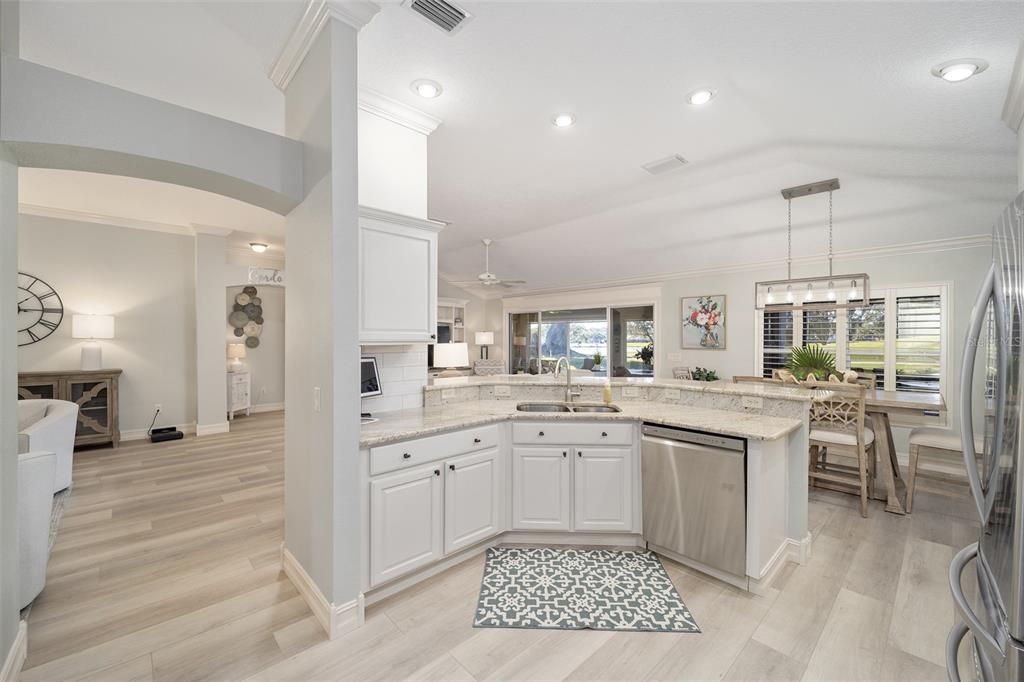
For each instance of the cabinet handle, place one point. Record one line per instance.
(604, 434)
(564, 453)
(579, 453)
(433, 336)
(451, 467)
(540, 433)
(406, 455)
(476, 440)
(437, 472)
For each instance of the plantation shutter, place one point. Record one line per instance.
(819, 329)
(865, 339)
(777, 340)
(918, 343)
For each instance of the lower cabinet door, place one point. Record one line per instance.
(603, 489)
(541, 489)
(472, 499)
(406, 522)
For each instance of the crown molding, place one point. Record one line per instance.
(198, 228)
(392, 110)
(909, 248)
(399, 219)
(355, 13)
(103, 219)
(1013, 107)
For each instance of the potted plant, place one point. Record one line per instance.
(597, 360)
(645, 355)
(704, 374)
(811, 362)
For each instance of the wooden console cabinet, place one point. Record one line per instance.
(95, 392)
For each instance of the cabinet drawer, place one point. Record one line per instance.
(413, 452)
(582, 433)
(239, 378)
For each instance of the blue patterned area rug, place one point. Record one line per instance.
(574, 589)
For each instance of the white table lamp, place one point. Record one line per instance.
(236, 351)
(484, 339)
(448, 356)
(92, 327)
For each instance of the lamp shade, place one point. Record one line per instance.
(451, 355)
(484, 338)
(236, 351)
(92, 326)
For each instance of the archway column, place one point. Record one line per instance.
(211, 365)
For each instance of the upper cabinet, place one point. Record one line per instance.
(397, 278)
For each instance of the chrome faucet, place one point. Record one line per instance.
(569, 393)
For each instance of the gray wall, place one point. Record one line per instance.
(144, 279)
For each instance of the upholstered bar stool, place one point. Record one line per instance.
(932, 438)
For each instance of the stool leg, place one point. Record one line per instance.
(862, 466)
(912, 475)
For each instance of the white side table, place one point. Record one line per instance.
(239, 395)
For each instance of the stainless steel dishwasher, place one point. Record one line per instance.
(695, 496)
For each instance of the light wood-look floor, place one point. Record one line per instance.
(167, 567)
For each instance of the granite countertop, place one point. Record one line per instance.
(778, 391)
(423, 421)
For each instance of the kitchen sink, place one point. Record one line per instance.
(542, 407)
(566, 407)
(596, 408)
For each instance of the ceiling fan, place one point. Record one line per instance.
(487, 278)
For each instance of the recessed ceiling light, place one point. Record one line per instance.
(427, 89)
(700, 96)
(957, 70)
(257, 247)
(563, 120)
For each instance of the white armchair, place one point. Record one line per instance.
(49, 425)
(35, 504)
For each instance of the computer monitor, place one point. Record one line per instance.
(369, 383)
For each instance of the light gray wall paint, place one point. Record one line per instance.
(265, 362)
(8, 398)
(144, 279)
(322, 509)
(211, 394)
(112, 131)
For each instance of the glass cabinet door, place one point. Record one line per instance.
(93, 399)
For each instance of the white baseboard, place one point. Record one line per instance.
(11, 669)
(335, 619)
(211, 429)
(799, 550)
(268, 407)
(142, 434)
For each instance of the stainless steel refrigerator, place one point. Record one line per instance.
(994, 615)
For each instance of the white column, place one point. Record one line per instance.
(323, 513)
(8, 372)
(211, 349)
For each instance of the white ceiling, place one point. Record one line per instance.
(806, 91)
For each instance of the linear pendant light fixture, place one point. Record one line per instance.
(827, 292)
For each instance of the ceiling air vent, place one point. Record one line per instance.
(444, 15)
(664, 165)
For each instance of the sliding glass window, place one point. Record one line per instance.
(579, 335)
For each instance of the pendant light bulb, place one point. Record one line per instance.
(853, 290)
(769, 298)
(789, 293)
(810, 292)
(831, 291)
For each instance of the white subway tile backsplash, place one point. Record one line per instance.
(403, 374)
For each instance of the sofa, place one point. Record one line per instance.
(35, 504)
(49, 425)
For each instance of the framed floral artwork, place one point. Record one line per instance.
(703, 322)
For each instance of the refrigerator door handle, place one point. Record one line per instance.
(956, 635)
(991, 289)
(978, 629)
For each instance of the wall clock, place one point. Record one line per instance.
(40, 309)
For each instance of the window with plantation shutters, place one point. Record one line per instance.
(899, 336)
(918, 343)
(777, 334)
(865, 339)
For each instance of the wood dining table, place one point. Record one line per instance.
(911, 407)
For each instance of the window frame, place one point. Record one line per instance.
(889, 294)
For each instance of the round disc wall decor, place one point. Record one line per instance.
(246, 316)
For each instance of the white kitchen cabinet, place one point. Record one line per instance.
(541, 489)
(406, 522)
(397, 278)
(603, 489)
(473, 499)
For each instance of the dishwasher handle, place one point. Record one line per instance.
(711, 440)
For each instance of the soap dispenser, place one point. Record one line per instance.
(607, 392)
